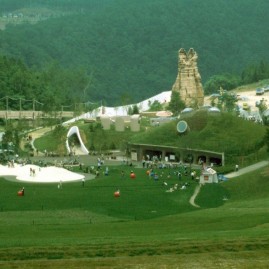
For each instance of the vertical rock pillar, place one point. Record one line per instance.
(188, 81)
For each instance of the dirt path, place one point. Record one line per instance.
(40, 132)
(240, 172)
(35, 134)
(196, 192)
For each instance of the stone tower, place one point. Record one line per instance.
(188, 81)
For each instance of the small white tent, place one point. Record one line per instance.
(208, 175)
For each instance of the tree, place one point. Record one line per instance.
(135, 109)
(11, 139)
(227, 101)
(176, 104)
(255, 72)
(262, 106)
(266, 139)
(132, 110)
(225, 81)
(155, 106)
(59, 133)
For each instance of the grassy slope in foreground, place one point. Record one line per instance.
(74, 215)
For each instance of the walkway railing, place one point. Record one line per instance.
(7, 114)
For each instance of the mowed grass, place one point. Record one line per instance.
(141, 198)
(77, 223)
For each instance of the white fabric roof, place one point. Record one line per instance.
(122, 110)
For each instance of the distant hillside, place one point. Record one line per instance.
(129, 48)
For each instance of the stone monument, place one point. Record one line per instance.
(188, 81)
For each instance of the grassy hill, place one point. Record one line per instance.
(90, 227)
(240, 140)
(222, 133)
(146, 227)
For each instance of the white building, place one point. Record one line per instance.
(209, 175)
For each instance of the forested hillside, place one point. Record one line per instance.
(128, 49)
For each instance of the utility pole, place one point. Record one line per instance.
(20, 109)
(34, 112)
(6, 108)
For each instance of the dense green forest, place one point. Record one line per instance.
(125, 51)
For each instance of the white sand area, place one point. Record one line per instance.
(48, 174)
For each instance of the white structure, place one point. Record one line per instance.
(163, 97)
(135, 123)
(106, 122)
(50, 174)
(75, 130)
(119, 124)
(209, 175)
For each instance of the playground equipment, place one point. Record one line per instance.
(117, 194)
(75, 130)
(21, 192)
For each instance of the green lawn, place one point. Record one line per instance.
(82, 225)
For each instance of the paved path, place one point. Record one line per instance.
(247, 169)
(240, 172)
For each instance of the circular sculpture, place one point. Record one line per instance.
(182, 126)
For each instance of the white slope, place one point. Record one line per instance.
(49, 174)
(123, 110)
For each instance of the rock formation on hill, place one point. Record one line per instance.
(188, 81)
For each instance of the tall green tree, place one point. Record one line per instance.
(255, 72)
(225, 81)
(227, 101)
(176, 104)
(155, 106)
(266, 139)
(11, 139)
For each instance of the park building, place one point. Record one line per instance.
(175, 154)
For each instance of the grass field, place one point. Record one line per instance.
(146, 227)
